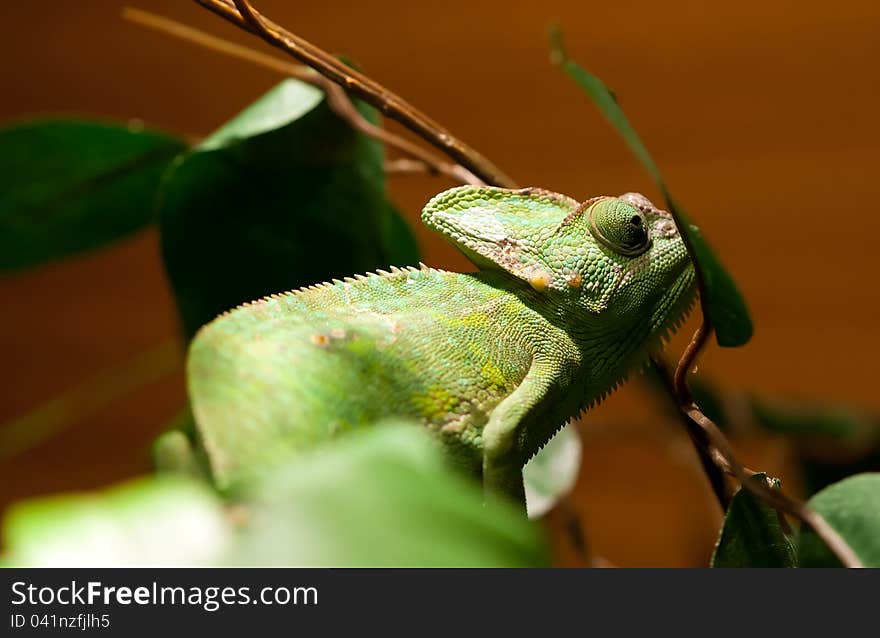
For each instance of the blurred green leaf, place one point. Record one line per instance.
(381, 497)
(284, 195)
(752, 535)
(67, 186)
(157, 521)
(723, 302)
(809, 420)
(552, 473)
(819, 473)
(852, 508)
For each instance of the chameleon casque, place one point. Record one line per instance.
(568, 299)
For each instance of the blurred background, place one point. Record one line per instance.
(762, 115)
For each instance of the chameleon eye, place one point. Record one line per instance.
(619, 226)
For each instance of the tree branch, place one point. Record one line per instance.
(713, 444)
(244, 16)
(337, 99)
(709, 459)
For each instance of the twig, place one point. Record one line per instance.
(689, 358)
(712, 465)
(406, 166)
(723, 456)
(244, 16)
(337, 99)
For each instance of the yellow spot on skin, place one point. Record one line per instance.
(320, 340)
(436, 403)
(493, 375)
(539, 280)
(574, 280)
(474, 320)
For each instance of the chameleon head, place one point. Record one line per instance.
(612, 261)
(642, 273)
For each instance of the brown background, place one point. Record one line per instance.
(761, 113)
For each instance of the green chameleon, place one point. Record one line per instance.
(569, 298)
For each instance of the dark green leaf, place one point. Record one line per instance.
(67, 186)
(799, 419)
(852, 508)
(161, 521)
(819, 473)
(752, 535)
(284, 195)
(723, 303)
(381, 497)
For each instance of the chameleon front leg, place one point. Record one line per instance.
(502, 461)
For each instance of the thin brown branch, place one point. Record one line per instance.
(337, 99)
(208, 41)
(713, 444)
(721, 452)
(244, 16)
(689, 358)
(776, 498)
(713, 466)
(406, 166)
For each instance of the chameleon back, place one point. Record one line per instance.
(423, 344)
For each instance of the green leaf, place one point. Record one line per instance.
(795, 418)
(723, 303)
(160, 521)
(752, 535)
(552, 473)
(67, 186)
(382, 497)
(286, 103)
(285, 194)
(852, 508)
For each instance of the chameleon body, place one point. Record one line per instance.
(568, 299)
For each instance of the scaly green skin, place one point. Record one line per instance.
(569, 298)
